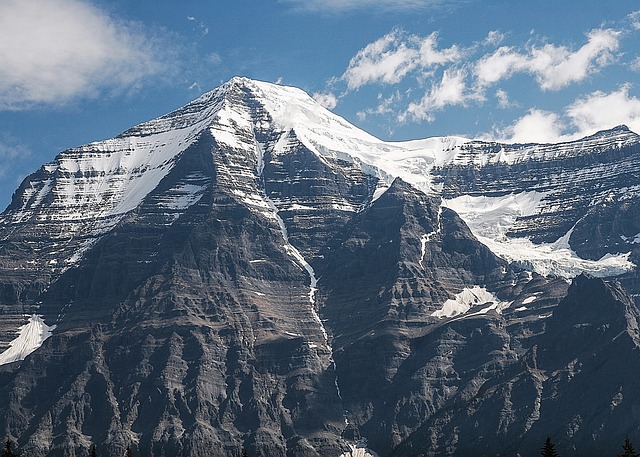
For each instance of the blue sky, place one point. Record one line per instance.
(75, 71)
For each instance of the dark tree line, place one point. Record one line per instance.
(548, 450)
(8, 451)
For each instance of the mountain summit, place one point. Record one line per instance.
(252, 272)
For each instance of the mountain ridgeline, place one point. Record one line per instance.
(251, 273)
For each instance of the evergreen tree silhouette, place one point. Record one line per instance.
(94, 451)
(629, 451)
(549, 449)
(8, 451)
(128, 453)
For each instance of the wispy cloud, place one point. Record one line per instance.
(503, 99)
(13, 156)
(451, 90)
(389, 59)
(340, 6)
(201, 26)
(52, 51)
(635, 19)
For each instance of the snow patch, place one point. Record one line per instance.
(631, 240)
(31, 336)
(358, 451)
(471, 298)
(183, 196)
(426, 238)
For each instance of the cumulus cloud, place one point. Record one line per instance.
(389, 59)
(339, 6)
(432, 77)
(600, 110)
(52, 51)
(499, 65)
(585, 116)
(554, 67)
(537, 126)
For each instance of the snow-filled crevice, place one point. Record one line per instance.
(30, 337)
(295, 253)
(313, 282)
(427, 237)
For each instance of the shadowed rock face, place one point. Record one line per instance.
(258, 296)
(572, 377)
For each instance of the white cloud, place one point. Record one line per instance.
(585, 116)
(339, 6)
(502, 64)
(214, 58)
(434, 78)
(326, 99)
(494, 38)
(537, 126)
(430, 55)
(389, 59)
(503, 99)
(554, 67)
(386, 60)
(52, 51)
(386, 105)
(635, 19)
(600, 110)
(451, 90)
(201, 26)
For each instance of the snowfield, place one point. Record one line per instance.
(31, 336)
(490, 218)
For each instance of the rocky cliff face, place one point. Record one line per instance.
(252, 272)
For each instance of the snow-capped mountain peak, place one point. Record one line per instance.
(91, 188)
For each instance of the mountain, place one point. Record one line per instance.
(252, 272)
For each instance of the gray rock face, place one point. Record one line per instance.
(222, 279)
